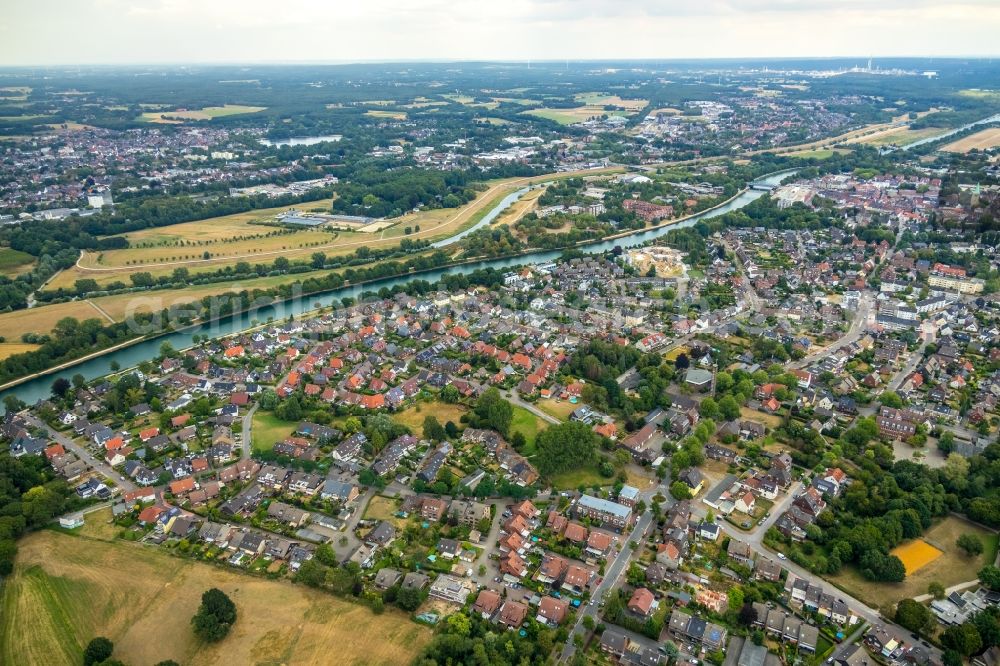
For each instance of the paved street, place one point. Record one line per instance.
(82, 453)
(247, 434)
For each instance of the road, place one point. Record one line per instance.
(858, 327)
(904, 372)
(515, 398)
(611, 575)
(81, 452)
(613, 571)
(247, 427)
(870, 615)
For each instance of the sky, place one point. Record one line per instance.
(67, 32)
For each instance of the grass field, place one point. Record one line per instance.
(413, 417)
(74, 588)
(916, 554)
(14, 262)
(982, 140)
(950, 568)
(206, 113)
(267, 429)
(770, 420)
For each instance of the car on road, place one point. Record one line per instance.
(781, 556)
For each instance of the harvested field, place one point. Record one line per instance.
(206, 113)
(8, 349)
(74, 588)
(982, 140)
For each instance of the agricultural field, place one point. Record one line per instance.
(267, 429)
(571, 116)
(391, 115)
(982, 140)
(413, 417)
(949, 568)
(818, 153)
(77, 587)
(8, 349)
(43, 319)
(600, 99)
(206, 113)
(14, 262)
(900, 136)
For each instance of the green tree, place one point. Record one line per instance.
(565, 446)
(680, 491)
(962, 638)
(914, 615)
(494, 411)
(215, 616)
(433, 430)
(970, 544)
(99, 649)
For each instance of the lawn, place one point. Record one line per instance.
(267, 429)
(582, 476)
(950, 568)
(14, 262)
(383, 508)
(413, 417)
(560, 409)
(74, 588)
(528, 425)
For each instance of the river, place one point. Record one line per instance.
(40, 387)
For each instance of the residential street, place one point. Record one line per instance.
(82, 453)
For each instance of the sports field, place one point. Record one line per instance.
(951, 567)
(916, 554)
(74, 588)
(982, 140)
